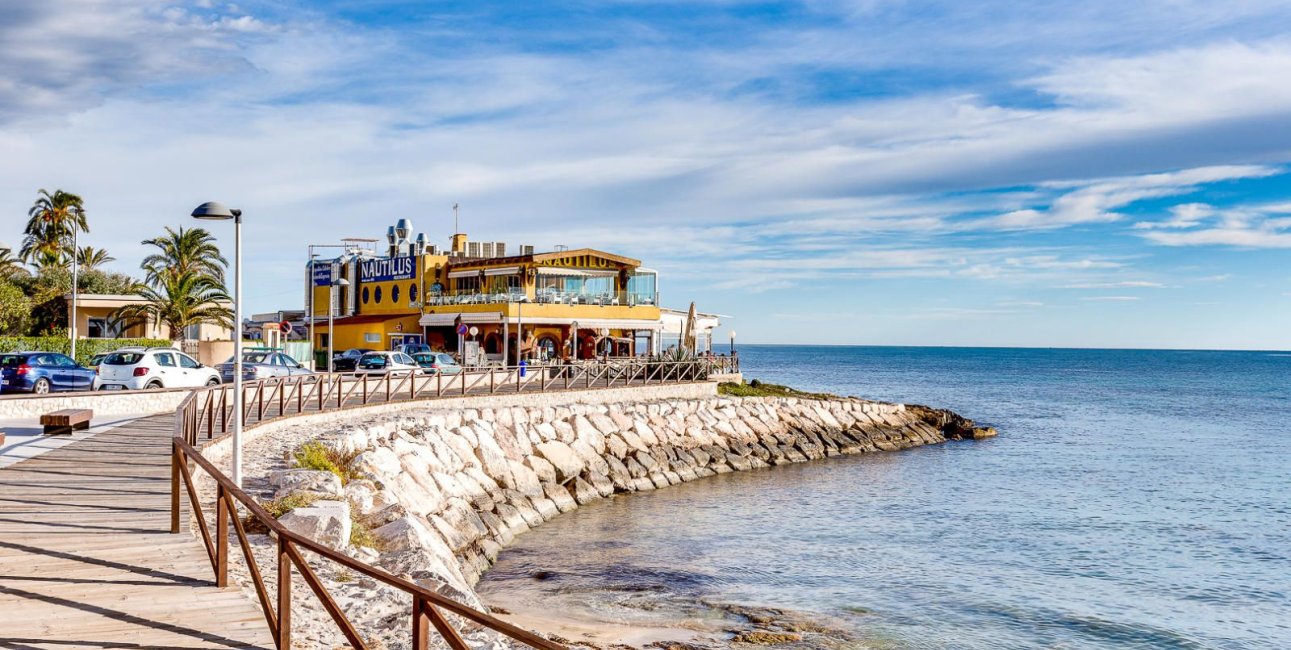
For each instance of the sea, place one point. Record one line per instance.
(1133, 499)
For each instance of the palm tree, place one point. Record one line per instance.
(9, 265)
(183, 284)
(51, 222)
(90, 258)
(178, 302)
(191, 251)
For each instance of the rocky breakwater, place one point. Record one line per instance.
(436, 495)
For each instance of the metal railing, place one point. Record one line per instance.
(207, 414)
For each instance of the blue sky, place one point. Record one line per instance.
(865, 171)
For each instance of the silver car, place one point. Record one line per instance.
(260, 363)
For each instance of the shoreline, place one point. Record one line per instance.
(441, 491)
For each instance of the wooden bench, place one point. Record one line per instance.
(62, 423)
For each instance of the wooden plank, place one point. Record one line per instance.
(87, 559)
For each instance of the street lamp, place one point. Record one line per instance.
(75, 280)
(331, 311)
(732, 342)
(215, 211)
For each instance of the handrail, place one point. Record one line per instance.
(328, 392)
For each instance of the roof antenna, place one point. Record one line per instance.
(456, 228)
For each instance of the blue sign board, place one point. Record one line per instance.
(322, 274)
(385, 269)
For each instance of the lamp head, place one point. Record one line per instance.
(341, 282)
(215, 211)
(732, 333)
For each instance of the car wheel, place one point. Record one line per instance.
(213, 381)
(41, 387)
(153, 384)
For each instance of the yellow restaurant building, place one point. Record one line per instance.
(564, 304)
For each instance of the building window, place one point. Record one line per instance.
(376, 296)
(412, 292)
(394, 294)
(365, 295)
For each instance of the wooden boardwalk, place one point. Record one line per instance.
(87, 559)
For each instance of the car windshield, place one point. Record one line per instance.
(424, 358)
(444, 358)
(252, 357)
(373, 358)
(12, 360)
(122, 358)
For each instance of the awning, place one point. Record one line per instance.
(440, 320)
(575, 273)
(472, 273)
(502, 270)
(493, 318)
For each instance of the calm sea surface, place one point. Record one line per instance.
(1134, 499)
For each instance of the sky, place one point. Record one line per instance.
(887, 172)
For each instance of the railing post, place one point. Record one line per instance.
(420, 624)
(174, 486)
(365, 388)
(283, 642)
(221, 537)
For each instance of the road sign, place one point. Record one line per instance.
(285, 327)
(462, 329)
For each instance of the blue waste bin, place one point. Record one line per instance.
(523, 367)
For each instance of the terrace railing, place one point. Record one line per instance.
(206, 415)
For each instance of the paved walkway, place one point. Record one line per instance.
(87, 559)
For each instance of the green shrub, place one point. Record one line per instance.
(279, 507)
(85, 348)
(313, 455)
(757, 388)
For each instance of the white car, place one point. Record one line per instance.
(382, 363)
(140, 368)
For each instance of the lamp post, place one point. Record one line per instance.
(732, 342)
(215, 211)
(75, 273)
(331, 311)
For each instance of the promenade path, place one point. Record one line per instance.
(87, 559)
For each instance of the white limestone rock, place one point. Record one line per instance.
(305, 480)
(565, 460)
(326, 522)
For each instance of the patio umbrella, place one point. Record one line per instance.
(690, 338)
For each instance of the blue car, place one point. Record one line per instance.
(42, 372)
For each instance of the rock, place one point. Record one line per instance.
(583, 492)
(616, 446)
(567, 463)
(560, 497)
(326, 522)
(542, 467)
(408, 533)
(586, 432)
(305, 480)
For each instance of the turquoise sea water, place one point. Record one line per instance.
(1134, 499)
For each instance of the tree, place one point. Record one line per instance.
(52, 220)
(15, 309)
(191, 251)
(178, 302)
(10, 266)
(90, 258)
(183, 284)
(48, 287)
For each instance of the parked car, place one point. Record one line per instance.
(262, 363)
(381, 363)
(139, 368)
(348, 360)
(413, 349)
(95, 361)
(437, 363)
(42, 372)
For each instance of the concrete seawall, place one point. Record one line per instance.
(439, 488)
